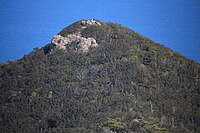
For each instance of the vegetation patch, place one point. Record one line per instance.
(115, 124)
(153, 127)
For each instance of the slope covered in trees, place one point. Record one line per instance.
(127, 84)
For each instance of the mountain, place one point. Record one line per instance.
(96, 77)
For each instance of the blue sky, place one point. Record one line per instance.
(26, 24)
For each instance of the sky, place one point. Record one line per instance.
(27, 24)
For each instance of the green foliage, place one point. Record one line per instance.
(115, 124)
(153, 127)
(127, 76)
(33, 94)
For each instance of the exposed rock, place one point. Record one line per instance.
(90, 22)
(59, 42)
(82, 45)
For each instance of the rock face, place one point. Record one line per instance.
(81, 44)
(89, 23)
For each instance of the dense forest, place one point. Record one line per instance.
(128, 84)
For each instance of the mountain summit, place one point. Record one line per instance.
(96, 77)
(82, 44)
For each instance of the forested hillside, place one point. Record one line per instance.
(126, 84)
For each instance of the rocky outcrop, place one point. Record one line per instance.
(86, 23)
(82, 44)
